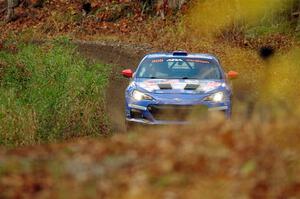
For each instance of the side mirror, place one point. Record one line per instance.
(232, 74)
(127, 73)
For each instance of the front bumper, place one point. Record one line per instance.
(150, 114)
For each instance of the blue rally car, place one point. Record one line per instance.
(166, 87)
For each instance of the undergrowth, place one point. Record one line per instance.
(49, 93)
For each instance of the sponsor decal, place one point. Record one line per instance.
(157, 61)
(198, 61)
(174, 60)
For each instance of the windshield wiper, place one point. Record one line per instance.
(189, 78)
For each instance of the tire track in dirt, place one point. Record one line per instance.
(120, 56)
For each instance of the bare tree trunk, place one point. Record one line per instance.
(162, 6)
(11, 4)
(10, 10)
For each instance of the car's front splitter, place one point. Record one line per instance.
(150, 120)
(147, 122)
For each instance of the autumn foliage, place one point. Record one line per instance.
(253, 156)
(212, 160)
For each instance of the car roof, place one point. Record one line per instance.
(177, 54)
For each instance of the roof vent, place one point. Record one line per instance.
(180, 53)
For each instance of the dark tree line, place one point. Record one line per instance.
(159, 7)
(12, 4)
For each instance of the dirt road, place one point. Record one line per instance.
(119, 56)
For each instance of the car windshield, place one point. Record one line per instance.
(179, 68)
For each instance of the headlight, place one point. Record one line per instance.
(216, 97)
(138, 95)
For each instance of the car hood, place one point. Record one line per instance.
(178, 86)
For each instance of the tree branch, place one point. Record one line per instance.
(3, 10)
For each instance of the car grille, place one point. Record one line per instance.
(136, 114)
(175, 112)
